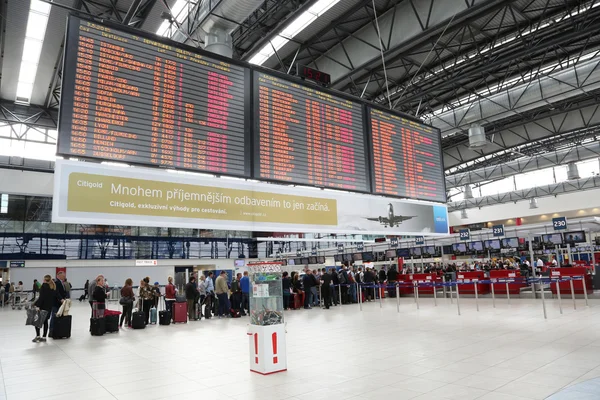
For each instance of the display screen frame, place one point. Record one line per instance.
(69, 63)
(369, 147)
(504, 243)
(547, 242)
(582, 240)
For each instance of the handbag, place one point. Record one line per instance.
(125, 301)
(64, 309)
(36, 317)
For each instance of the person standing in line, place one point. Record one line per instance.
(307, 282)
(99, 299)
(62, 295)
(210, 292)
(343, 278)
(170, 293)
(222, 291)
(157, 294)
(48, 296)
(67, 288)
(326, 288)
(201, 293)
(236, 293)
(190, 297)
(127, 293)
(314, 289)
(245, 286)
(90, 291)
(369, 280)
(286, 285)
(36, 288)
(335, 282)
(86, 286)
(146, 298)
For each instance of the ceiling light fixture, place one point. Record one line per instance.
(32, 49)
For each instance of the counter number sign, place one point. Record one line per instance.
(498, 230)
(340, 247)
(394, 242)
(419, 240)
(360, 246)
(464, 234)
(559, 223)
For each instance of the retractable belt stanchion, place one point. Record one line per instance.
(434, 294)
(543, 299)
(508, 292)
(340, 293)
(493, 293)
(451, 299)
(417, 294)
(476, 296)
(380, 297)
(360, 296)
(558, 294)
(321, 302)
(573, 293)
(584, 290)
(398, 297)
(444, 285)
(457, 298)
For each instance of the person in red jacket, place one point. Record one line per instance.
(170, 293)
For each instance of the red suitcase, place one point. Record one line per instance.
(179, 313)
(298, 300)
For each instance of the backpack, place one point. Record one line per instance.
(341, 277)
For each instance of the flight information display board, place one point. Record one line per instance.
(307, 136)
(133, 99)
(407, 160)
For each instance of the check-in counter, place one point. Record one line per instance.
(426, 278)
(565, 287)
(503, 275)
(471, 279)
(405, 282)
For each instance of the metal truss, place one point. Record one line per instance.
(537, 192)
(24, 119)
(527, 164)
(135, 16)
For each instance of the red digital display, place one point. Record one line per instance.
(307, 136)
(313, 74)
(406, 158)
(132, 99)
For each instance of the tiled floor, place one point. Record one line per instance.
(509, 352)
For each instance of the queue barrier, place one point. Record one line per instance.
(466, 285)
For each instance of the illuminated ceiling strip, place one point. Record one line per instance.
(32, 49)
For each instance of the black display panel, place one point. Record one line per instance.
(552, 239)
(130, 98)
(357, 257)
(509, 243)
(459, 248)
(476, 247)
(574, 237)
(307, 136)
(491, 245)
(407, 158)
(368, 256)
(403, 252)
(415, 251)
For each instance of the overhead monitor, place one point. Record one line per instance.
(239, 263)
(552, 239)
(367, 256)
(338, 258)
(357, 257)
(459, 248)
(509, 243)
(491, 245)
(321, 259)
(291, 261)
(415, 252)
(428, 251)
(574, 237)
(312, 260)
(307, 136)
(390, 254)
(476, 246)
(304, 261)
(407, 157)
(129, 97)
(348, 257)
(403, 252)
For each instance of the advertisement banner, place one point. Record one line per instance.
(87, 193)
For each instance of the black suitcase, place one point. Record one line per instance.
(111, 323)
(138, 320)
(97, 326)
(164, 318)
(62, 327)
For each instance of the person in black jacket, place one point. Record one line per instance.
(286, 285)
(392, 278)
(369, 280)
(334, 290)
(99, 298)
(62, 295)
(307, 282)
(47, 297)
(326, 288)
(190, 296)
(382, 275)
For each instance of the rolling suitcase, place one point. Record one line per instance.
(235, 313)
(97, 326)
(62, 327)
(153, 316)
(164, 316)
(111, 323)
(138, 319)
(180, 313)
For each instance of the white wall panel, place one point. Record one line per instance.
(13, 181)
